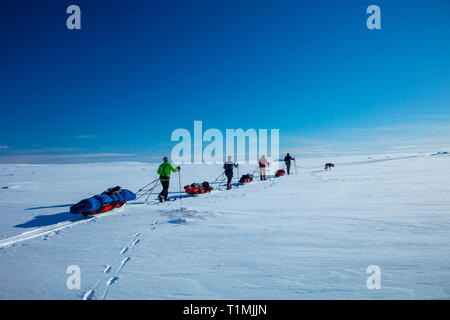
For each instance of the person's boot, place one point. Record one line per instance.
(160, 198)
(264, 177)
(261, 177)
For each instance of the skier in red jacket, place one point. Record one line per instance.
(262, 167)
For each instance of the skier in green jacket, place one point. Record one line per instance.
(164, 176)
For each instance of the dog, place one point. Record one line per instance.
(329, 166)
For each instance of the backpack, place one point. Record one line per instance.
(111, 191)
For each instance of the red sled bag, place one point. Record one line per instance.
(192, 189)
(198, 188)
(280, 173)
(246, 178)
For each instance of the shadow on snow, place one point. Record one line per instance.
(50, 219)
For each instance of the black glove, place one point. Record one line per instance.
(178, 168)
(237, 164)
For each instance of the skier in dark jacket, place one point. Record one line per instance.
(164, 176)
(228, 166)
(287, 162)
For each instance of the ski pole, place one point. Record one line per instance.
(219, 177)
(147, 185)
(147, 191)
(150, 191)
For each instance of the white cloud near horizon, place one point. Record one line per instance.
(62, 158)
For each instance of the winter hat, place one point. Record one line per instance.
(165, 159)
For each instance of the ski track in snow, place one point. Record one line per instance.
(40, 232)
(44, 232)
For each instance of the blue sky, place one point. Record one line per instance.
(137, 70)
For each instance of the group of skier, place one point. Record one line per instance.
(166, 168)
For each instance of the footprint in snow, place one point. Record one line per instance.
(50, 234)
(124, 261)
(112, 280)
(135, 242)
(89, 295)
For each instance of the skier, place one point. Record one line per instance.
(164, 176)
(228, 166)
(287, 162)
(262, 167)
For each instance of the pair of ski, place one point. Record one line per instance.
(161, 200)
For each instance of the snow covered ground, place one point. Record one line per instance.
(310, 235)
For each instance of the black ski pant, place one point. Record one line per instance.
(165, 191)
(288, 167)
